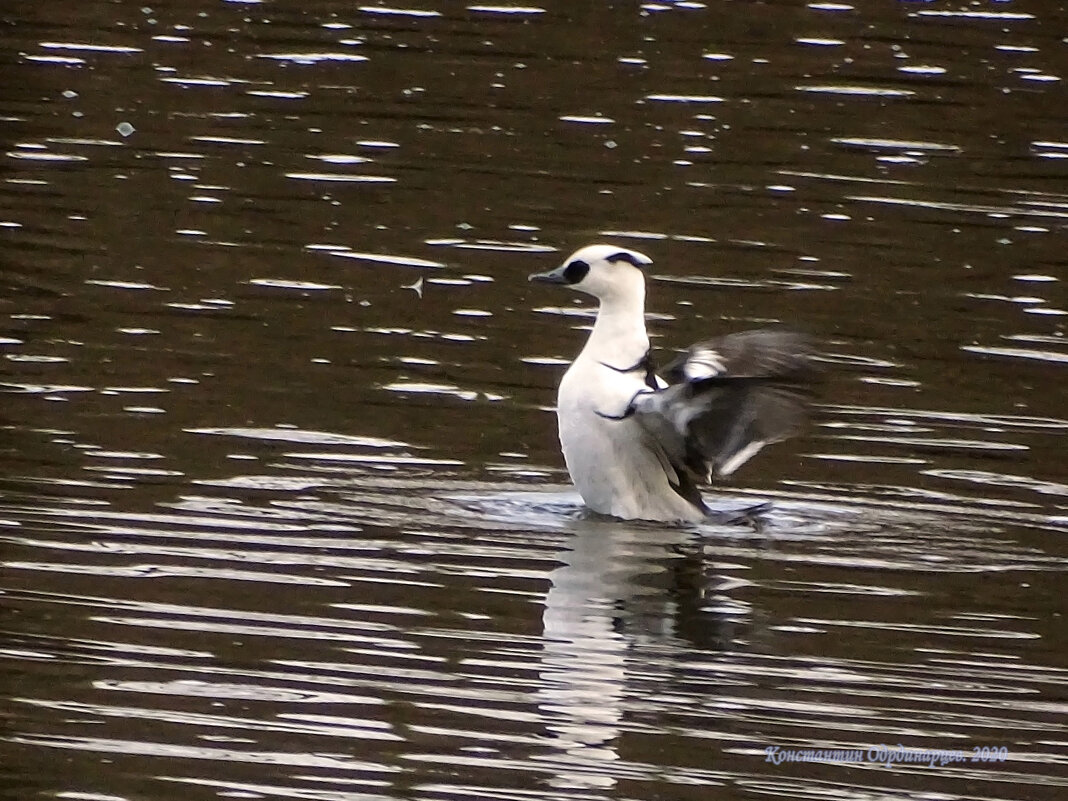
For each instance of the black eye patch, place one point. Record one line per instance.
(576, 271)
(625, 256)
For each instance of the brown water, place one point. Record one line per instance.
(276, 524)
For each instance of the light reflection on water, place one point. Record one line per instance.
(675, 635)
(282, 508)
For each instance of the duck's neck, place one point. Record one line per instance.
(618, 337)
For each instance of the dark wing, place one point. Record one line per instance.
(729, 397)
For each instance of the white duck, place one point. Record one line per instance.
(636, 444)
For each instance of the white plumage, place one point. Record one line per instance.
(636, 444)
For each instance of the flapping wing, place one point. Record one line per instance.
(729, 397)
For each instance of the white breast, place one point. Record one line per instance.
(616, 466)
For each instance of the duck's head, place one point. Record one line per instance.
(605, 271)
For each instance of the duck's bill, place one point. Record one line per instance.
(552, 277)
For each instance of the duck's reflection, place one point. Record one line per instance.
(620, 587)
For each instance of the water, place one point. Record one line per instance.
(283, 514)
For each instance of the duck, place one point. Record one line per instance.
(639, 442)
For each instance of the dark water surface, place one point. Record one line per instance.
(283, 514)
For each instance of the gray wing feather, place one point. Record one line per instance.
(728, 397)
